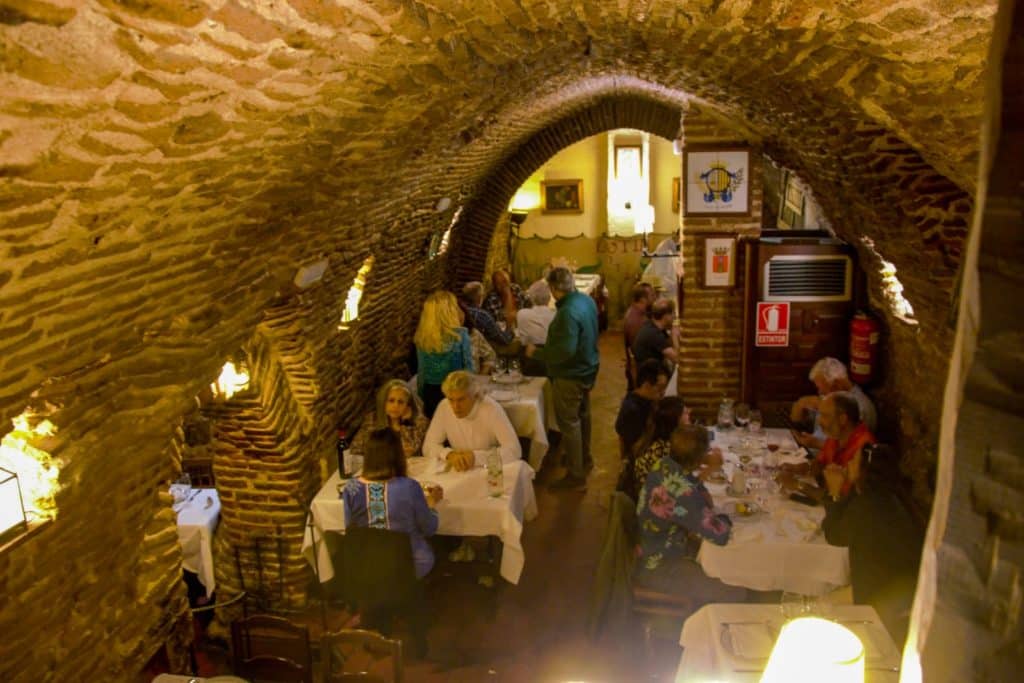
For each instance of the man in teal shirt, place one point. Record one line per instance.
(572, 362)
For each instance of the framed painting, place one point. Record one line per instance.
(719, 261)
(675, 195)
(717, 181)
(561, 196)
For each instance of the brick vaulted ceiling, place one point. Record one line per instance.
(183, 157)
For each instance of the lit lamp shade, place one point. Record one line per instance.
(12, 512)
(813, 649)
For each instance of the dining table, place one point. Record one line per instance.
(197, 515)
(466, 510)
(732, 642)
(776, 543)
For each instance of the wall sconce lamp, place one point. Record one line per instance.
(518, 216)
(813, 649)
(13, 520)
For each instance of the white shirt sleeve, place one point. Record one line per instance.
(492, 416)
(437, 433)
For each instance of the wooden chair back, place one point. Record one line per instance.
(269, 648)
(360, 655)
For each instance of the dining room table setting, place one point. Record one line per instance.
(198, 512)
(776, 542)
(732, 642)
(471, 507)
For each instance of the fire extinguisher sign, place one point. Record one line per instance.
(772, 323)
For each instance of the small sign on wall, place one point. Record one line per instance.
(772, 324)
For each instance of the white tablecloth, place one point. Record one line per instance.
(530, 413)
(709, 654)
(780, 550)
(466, 510)
(586, 282)
(197, 520)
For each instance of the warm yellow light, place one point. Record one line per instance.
(355, 293)
(812, 649)
(36, 469)
(12, 513)
(230, 382)
(527, 197)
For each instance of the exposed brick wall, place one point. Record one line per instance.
(166, 167)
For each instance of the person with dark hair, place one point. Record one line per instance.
(634, 419)
(642, 295)
(654, 338)
(383, 497)
(505, 299)
(669, 413)
(503, 340)
(675, 507)
(572, 360)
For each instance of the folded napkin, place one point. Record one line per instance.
(751, 641)
(793, 458)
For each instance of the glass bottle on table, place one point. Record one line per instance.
(495, 474)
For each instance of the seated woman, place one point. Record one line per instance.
(384, 498)
(674, 504)
(654, 444)
(442, 346)
(400, 409)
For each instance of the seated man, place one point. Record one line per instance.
(634, 413)
(674, 508)
(828, 375)
(654, 339)
(839, 461)
(505, 298)
(503, 340)
(884, 542)
(532, 325)
(471, 424)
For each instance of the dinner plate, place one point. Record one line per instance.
(742, 508)
(502, 395)
(749, 643)
(508, 378)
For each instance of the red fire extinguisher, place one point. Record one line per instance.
(863, 347)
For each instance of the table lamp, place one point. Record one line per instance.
(812, 649)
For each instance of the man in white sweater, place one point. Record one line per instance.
(472, 424)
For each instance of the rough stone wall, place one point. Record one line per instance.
(166, 167)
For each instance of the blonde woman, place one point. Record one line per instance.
(399, 409)
(442, 345)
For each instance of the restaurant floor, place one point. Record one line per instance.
(535, 631)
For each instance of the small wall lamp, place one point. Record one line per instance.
(13, 520)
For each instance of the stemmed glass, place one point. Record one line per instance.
(742, 415)
(500, 365)
(513, 366)
(755, 420)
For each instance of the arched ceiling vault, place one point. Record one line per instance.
(224, 139)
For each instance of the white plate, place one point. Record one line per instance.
(502, 395)
(508, 378)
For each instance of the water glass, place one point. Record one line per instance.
(795, 605)
(513, 366)
(500, 365)
(755, 420)
(742, 414)
(725, 414)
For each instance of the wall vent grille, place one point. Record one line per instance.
(808, 277)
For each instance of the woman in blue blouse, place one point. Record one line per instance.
(384, 498)
(674, 507)
(442, 345)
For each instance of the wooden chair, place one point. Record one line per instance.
(268, 648)
(348, 649)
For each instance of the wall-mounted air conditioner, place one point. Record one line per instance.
(808, 277)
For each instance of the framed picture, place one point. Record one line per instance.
(628, 161)
(561, 196)
(675, 195)
(720, 261)
(717, 181)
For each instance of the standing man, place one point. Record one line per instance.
(572, 361)
(636, 315)
(654, 339)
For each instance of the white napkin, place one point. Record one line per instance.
(751, 641)
(793, 458)
(797, 528)
(746, 533)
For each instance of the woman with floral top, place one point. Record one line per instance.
(654, 444)
(673, 506)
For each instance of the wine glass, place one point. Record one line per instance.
(755, 420)
(500, 365)
(742, 415)
(513, 366)
(794, 605)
